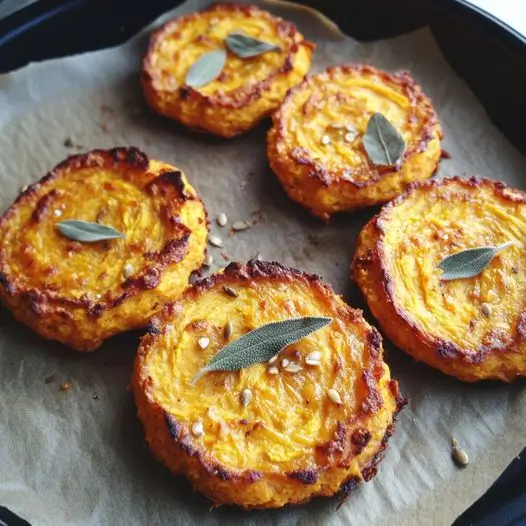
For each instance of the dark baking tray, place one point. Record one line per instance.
(489, 55)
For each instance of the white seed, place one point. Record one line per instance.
(460, 457)
(214, 20)
(197, 429)
(325, 139)
(24, 188)
(273, 370)
(229, 291)
(227, 331)
(203, 342)
(336, 125)
(334, 396)
(273, 359)
(58, 212)
(285, 362)
(350, 128)
(209, 260)
(246, 397)
(215, 241)
(238, 226)
(314, 355)
(313, 363)
(293, 368)
(349, 137)
(222, 219)
(127, 271)
(486, 310)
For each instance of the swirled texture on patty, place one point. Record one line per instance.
(246, 91)
(82, 293)
(293, 440)
(315, 144)
(472, 328)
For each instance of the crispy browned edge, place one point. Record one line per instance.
(240, 98)
(167, 185)
(318, 170)
(180, 443)
(444, 353)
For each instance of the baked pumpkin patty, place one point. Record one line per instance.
(246, 90)
(294, 439)
(315, 144)
(472, 328)
(81, 293)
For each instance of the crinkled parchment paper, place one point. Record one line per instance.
(78, 457)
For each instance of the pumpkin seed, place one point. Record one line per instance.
(293, 368)
(203, 342)
(325, 139)
(334, 396)
(246, 397)
(285, 362)
(273, 370)
(486, 310)
(459, 455)
(215, 241)
(209, 260)
(238, 226)
(314, 355)
(128, 270)
(227, 331)
(313, 363)
(222, 219)
(230, 292)
(197, 429)
(273, 359)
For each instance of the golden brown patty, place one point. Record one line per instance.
(315, 145)
(473, 328)
(291, 442)
(82, 293)
(247, 89)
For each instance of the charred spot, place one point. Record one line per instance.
(373, 402)
(243, 422)
(8, 286)
(184, 93)
(174, 427)
(448, 350)
(96, 310)
(121, 299)
(43, 205)
(175, 250)
(152, 328)
(368, 473)
(307, 476)
(348, 486)
(445, 155)
(521, 327)
(173, 178)
(151, 279)
(187, 447)
(132, 156)
(254, 476)
(222, 473)
(361, 438)
(375, 341)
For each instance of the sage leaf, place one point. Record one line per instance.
(261, 344)
(468, 263)
(206, 68)
(245, 47)
(87, 232)
(382, 142)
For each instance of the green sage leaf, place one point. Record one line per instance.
(261, 344)
(468, 263)
(206, 68)
(87, 232)
(245, 47)
(382, 142)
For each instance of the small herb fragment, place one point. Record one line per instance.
(87, 232)
(245, 46)
(206, 68)
(382, 142)
(468, 263)
(261, 344)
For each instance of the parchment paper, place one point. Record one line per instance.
(78, 457)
